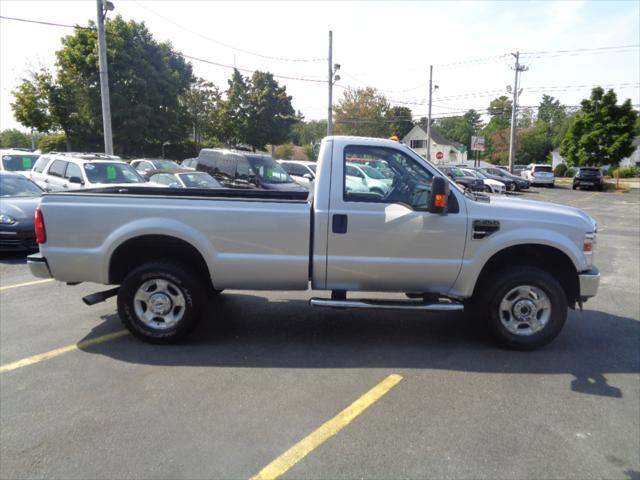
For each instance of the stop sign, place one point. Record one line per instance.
(439, 156)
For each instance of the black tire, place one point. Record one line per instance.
(574, 187)
(183, 282)
(505, 281)
(552, 185)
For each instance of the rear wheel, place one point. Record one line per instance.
(161, 302)
(524, 308)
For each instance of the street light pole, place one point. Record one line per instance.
(512, 140)
(330, 81)
(429, 114)
(103, 6)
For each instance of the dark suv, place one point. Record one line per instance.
(460, 178)
(588, 177)
(239, 169)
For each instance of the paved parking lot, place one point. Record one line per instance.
(266, 370)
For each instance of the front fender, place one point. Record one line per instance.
(481, 251)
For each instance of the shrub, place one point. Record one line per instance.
(54, 142)
(626, 172)
(284, 151)
(570, 172)
(560, 170)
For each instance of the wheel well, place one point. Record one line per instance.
(547, 258)
(139, 250)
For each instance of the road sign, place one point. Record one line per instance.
(477, 143)
(439, 156)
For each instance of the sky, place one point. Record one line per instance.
(386, 45)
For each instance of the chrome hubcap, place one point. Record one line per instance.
(525, 310)
(159, 304)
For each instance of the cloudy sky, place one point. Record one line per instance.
(571, 46)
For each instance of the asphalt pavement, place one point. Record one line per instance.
(265, 370)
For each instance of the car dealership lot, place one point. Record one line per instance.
(267, 370)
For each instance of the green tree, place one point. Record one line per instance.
(284, 151)
(400, 121)
(601, 133)
(200, 104)
(553, 116)
(270, 113)
(362, 112)
(234, 111)
(500, 112)
(146, 79)
(12, 138)
(53, 142)
(460, 129)
(531, 146)
(304, 133)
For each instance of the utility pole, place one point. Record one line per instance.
(103, 6)
(512, 141)
(429, 114)
(330, 81)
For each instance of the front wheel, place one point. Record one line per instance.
(525, 308)
(160, 301)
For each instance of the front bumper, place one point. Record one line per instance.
(12, 240)
(589, 282)
(39, 266)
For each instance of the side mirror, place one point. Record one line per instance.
(76, 180)
(308, 176)
(439, 195)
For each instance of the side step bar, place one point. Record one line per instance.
(387, 305)
(100, 296)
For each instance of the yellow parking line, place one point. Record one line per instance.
(305, 446)
(26, 284)
(60, 351)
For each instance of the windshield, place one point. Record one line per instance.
(18, 186)
(372, 172)
(103, 172)
(269, 170)
(165, 165)
(199, 180)
(18, 163)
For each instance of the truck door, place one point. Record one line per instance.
(389, 241)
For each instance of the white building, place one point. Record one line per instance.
(449, 151)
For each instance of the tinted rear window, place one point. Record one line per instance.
(589, 170)
(544, 169)
(19, 163)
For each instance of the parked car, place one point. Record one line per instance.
(490, 185)
(500, 173)
(189, 163)
(509, 184)
(466, 181)
(307, 177)
(240, 169)
(372, 178)
(150, 164)
(591, 177)
(516, 264)
(539, 175)
(68, 171)
(19, 198)
(302, 172)
(16, 160)
(182, 178)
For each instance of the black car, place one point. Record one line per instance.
(455, 174)
(504, 176)
(588, 177)
(20, 198)
(240, 169)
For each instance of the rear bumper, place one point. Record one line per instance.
(589, 282)
(39, 266)
(542, 181)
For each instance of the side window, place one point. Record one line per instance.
(244, 170)
(392, 177)
(57, 168)
(163, 178)
(226, 166)
(144, 166)
(73, 170)
(40, 164)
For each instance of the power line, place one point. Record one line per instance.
(40, 22)
(596, 49)
(218, 42)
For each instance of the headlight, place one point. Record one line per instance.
(6, 220)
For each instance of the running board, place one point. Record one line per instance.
(387, 305)
(100, 296)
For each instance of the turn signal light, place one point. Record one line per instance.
(587, 247)
(41, 233)
(440, 200)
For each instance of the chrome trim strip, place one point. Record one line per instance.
(387, 305)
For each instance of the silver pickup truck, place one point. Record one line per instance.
(513, 263)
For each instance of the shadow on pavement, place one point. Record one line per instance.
(249, 331)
